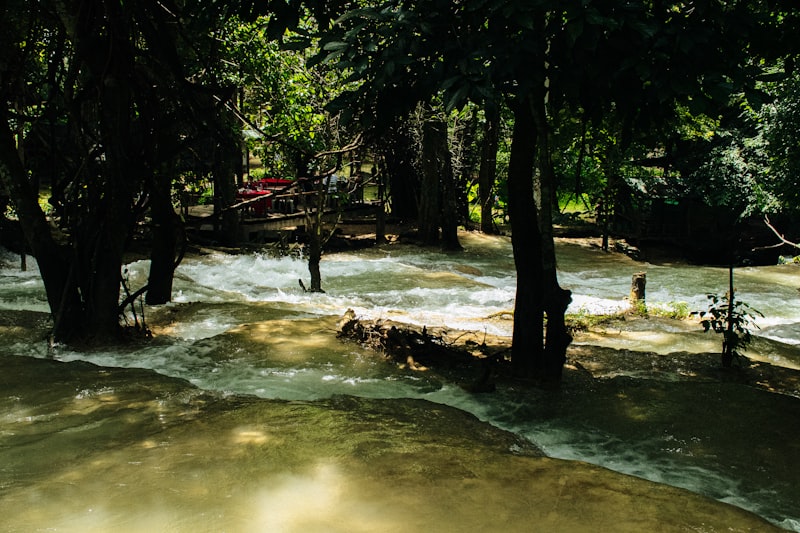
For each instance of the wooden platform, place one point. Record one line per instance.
(273, 226)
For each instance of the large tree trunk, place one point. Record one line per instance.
(55, 265)
(556, 299)
(101, 243)
(488, 168)
(527, 341)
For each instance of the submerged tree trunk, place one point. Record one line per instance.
(166, 227)
(101, 240)
(730, 336)
(316, 234)
(314, 259)
(488, 168)
(527, 340)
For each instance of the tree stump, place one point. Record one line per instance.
(638, 283)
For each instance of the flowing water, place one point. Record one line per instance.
(370, 450)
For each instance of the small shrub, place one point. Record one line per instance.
(733, 322)
(675, 310)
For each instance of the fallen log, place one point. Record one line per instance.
(421, 349)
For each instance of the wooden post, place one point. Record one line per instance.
(638, 283)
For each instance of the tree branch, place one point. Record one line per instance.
(783, 239)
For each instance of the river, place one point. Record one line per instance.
(381, 448)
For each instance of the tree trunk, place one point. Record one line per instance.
(438, 159)
(225, 194)
(315, 232)
(638, 286)
(110, 59)
(488, 168)
(556, 299)
(398, 151)
(465, 163)
(729, 335)
(165, 231)
(380, 216)
(527, 341)
(55, 265)
(314, 258)
(429, 197)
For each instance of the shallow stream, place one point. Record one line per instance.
(350, 442)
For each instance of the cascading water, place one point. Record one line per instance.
(242, 325)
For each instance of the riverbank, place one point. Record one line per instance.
(478, 361)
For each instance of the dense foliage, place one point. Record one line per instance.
(115, 109)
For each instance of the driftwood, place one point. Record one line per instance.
(420, 349)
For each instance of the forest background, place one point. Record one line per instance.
(461, 113)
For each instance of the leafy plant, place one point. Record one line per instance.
(733, 319)
(674, 310)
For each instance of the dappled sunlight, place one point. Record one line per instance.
(651, 335)
(322, 499)
(289, 338)
(251, 437)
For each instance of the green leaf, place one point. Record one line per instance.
(334, 46)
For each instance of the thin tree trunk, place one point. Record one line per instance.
(449, 215)
(465, 163)
(429, 198)
(225, 194)
(398, 153)
(727, 344)
(380, 216)
(315, 231)
(314, 259)
(488, 168)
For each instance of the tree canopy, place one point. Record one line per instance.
(118, 106)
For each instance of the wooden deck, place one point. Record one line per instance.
(276, 209)
(272, 226)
